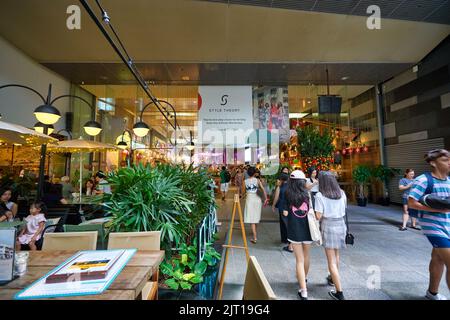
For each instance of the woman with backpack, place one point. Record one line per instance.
(297, 204)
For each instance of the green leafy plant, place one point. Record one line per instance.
(361, 175)
(313, 143)
(166, 198)
(184, 271)
(384, 174)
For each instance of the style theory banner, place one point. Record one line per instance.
(225, 114)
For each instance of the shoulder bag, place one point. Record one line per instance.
(349, 238)
(314, 227)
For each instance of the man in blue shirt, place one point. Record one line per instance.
(435, 223)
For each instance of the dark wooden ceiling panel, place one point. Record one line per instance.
(231, 74)
(433, 11)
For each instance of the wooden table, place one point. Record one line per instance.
(127, 286)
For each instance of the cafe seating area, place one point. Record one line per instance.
(138, 279)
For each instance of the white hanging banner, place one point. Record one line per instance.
(225, 114)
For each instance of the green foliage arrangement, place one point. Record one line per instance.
(314, 144)
(184, 271)
(166, 198)
(361, 175)
(385, 174)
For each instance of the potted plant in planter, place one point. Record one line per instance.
(384, 174)
(361, 175)
(184, 274)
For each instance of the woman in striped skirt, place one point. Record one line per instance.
(330, 205)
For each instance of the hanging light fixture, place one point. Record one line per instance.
(141, 129)
(47, 114)
(92, 128)
(122, 145)
(39, 127)
(190, 146)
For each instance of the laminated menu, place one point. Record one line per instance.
(85, 273)
(87, 265)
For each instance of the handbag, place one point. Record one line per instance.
(314, 227)
(349, 238)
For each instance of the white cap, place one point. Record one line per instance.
(297, 174)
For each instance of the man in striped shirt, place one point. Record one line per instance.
(435, 223)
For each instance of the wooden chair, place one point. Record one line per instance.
(101, 243)
(256, 286)
(70, 241)
(150, 240)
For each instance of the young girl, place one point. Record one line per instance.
(330, 209)
(296, 209)
(35, 226)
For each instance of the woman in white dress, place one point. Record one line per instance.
(253, 203)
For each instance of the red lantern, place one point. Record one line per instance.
(350, 150)
(358, 150)
(344, 152)
(366, 149)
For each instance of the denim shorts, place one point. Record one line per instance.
(405, 201)
(439, 242)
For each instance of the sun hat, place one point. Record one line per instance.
(297, 174)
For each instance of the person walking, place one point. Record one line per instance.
(253, 203)
(330, 206)
(313, 183)
(279, 202)
(405, 185)
(296, 209)
(238, 181)
(225, 178)
(435, 223)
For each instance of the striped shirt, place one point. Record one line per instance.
(434, 224)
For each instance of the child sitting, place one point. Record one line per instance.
(35, 226)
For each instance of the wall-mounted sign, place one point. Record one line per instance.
(225, 115)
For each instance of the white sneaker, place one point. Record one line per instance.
(435, 297)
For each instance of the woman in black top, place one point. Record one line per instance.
(296, 209)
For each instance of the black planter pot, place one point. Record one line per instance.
(362, 202)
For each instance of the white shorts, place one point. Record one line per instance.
(224, 187)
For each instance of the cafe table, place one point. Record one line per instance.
(128, 285)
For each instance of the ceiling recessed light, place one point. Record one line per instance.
(345, 78)
(185, 78)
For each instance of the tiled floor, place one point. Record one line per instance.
(399, 258)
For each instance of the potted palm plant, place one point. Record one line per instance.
(361, 175)
(384, 174)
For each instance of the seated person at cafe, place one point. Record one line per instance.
(35, 225)
(5, 214)
(54, 196)
(67, 188)
(102, 184)
(5, 201)
(47, 184)
(89, 188)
